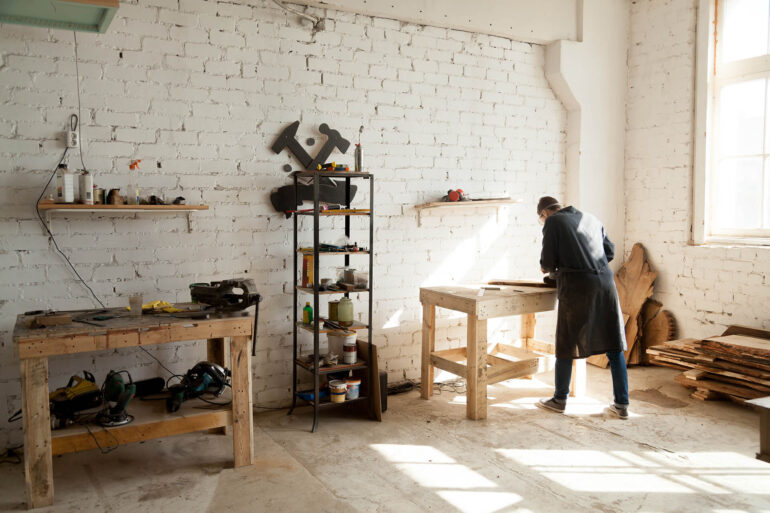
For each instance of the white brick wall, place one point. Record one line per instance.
(707, 288)
(199, 92)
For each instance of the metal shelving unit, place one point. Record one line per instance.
(315, 368)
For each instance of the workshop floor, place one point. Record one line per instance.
(674, 454)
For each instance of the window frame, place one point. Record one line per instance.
(707, 85)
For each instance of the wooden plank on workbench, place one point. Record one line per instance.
(60, 345)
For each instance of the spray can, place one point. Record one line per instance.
(132, 194)
(86, 188)
(359, 156)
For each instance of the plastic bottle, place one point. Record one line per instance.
(307, 313)
(132, 194)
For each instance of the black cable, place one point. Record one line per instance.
(77, 77)
(11, 456)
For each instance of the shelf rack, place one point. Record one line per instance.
(315, 367)
(53, 208)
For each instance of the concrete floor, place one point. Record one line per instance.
(674, 454)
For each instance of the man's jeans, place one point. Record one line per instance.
(617, 368)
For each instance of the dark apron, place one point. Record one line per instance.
(589, 321)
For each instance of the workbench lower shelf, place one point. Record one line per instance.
(151, 420)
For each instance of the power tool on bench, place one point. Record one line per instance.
(79, 394)
(230, 296)
(204, 378)
(117, 394)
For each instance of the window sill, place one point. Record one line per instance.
(726, 242)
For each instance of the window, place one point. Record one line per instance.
(732, 166)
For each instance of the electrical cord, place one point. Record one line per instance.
(11, 456)
(80, 114)
(317, 22)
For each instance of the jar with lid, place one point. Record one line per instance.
(345, 312)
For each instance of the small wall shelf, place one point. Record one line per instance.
(471, 203)
(53, 208)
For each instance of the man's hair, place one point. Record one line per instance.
(547, 203)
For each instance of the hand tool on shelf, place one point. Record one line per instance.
(117, 394)
(203, 378)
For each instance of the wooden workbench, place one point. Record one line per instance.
(34, 346)
(479, 364)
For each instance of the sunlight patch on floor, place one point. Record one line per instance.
(465, 489)
(713, 473)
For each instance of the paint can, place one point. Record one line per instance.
(338, 390)
(354, 387)
(333, 310)
(337, 340)
(349, 351)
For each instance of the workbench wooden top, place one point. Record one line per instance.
(508, 300)
(123, 330)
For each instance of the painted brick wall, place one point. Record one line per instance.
(706, 287)
(198, 90)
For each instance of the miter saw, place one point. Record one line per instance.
(229, 296)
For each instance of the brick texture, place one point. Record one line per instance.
(706, 287)
(199, 90)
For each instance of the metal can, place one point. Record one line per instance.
(333, 310)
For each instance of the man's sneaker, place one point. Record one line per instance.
(619, 411)
(552, 404)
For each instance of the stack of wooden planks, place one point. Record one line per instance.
(733, 366)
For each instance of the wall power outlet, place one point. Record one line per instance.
(73, 141)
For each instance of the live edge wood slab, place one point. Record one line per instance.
(478, 363)
(35, 346)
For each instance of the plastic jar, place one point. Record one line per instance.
(354, 386)
(345, 312)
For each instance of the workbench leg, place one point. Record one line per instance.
(764, 435)
(476, 380)
(215, 353)
(36, 418)
(578, 385)
(243, 418)
(428, 346)
(527, 330)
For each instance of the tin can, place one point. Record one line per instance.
(333, 310)
(86, 188)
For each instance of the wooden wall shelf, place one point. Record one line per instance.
(463, 204)
(52, 208)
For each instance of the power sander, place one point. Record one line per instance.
(117, 394)
(204, 378)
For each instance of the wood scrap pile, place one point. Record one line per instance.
(733, 366)
(646, 323)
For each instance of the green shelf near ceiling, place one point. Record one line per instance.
(80, 15)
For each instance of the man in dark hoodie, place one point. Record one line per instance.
(577, 251)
